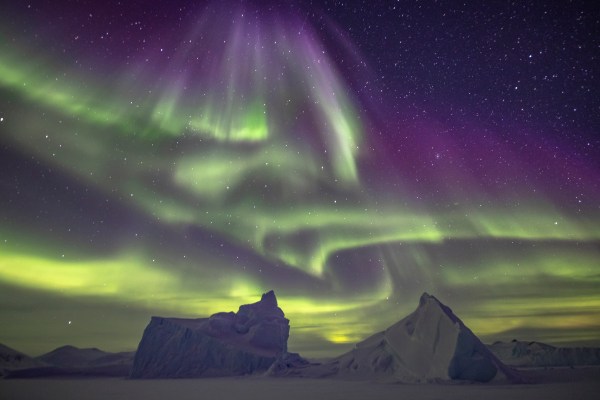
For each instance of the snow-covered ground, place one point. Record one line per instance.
(560, 383)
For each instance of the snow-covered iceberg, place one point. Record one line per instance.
(428, 345)
(225, 344)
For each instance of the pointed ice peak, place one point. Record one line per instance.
(269, 299)
(427, 345)
(425, 297)
(427, 301)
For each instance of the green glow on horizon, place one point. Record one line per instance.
(565, 313)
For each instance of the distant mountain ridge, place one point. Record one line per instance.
(71, 361)
(71, 356)
(535, 354)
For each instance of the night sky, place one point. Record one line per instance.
(181, 158)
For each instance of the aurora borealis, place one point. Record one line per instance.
(182, 158)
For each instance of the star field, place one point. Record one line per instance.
(181, 158)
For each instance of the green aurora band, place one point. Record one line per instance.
(241, 157)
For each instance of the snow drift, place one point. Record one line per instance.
(225, 344)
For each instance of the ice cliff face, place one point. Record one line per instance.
(428, 345)
(226, 344)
